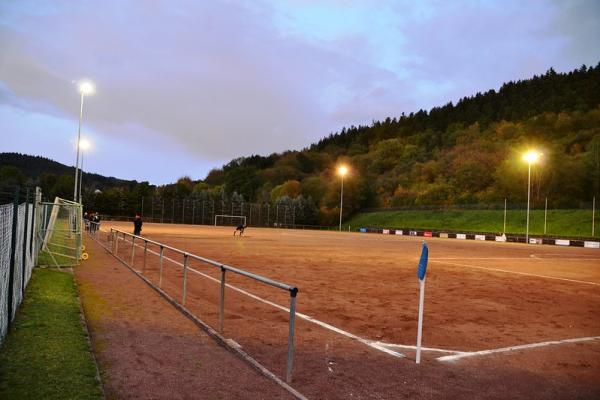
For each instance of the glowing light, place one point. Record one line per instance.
(84, 144)
(343, 170)
(532, 156)
(86, 88)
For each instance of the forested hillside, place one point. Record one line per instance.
(56, 179)
(456, 154)
(464, 153)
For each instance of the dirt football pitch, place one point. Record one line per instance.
(501, 320)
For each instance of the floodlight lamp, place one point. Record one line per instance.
(343, 170)
(84, 144)
(86, 88)
(531, 156)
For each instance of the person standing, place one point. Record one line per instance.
(137, 225)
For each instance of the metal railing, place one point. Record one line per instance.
(143, 243)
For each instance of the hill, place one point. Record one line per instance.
(468, 153)
(56, 179)
(456, 154)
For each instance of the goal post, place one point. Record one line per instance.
(60, 232)
(232, 220)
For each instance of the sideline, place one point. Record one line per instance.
(516, 348)
(514, 272)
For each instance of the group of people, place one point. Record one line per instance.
(91, 221)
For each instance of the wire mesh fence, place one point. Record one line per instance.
(17, 254)
(286, 212)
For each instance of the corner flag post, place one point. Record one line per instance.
(422, 268)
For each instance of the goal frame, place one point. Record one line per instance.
(243, 217)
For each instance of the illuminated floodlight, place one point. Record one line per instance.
(84, 144)
(86, 88)
(532, 156)
(343, 170)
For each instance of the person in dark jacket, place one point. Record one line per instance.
(137, 225)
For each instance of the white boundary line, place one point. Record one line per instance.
(325, 325)
(385, 347)
(537, 257)
(516, 348)
(408, 347)
(516, 272)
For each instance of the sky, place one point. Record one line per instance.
(186, 86)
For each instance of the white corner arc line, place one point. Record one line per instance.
(516, 348)
(517, 272)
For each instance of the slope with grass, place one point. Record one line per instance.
(562, 223)
(46, 354)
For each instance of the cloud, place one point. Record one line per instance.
(210, 81)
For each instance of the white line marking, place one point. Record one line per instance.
(325, 325)
(533, 257)
(404, 346)
(516, 348)
(517, 273)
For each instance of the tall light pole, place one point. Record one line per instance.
(84, 146)
(343, 170)
(85, 88)
(531, 157)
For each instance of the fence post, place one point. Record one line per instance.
(290, 360)
(185, 264)
(593, 215)
(24, 260)
(132, 248)
(145, 251)
(31, 234)
(11, 268)
(160, 274)
(222, 306)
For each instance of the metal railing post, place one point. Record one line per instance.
(290, 358)
(185, 265)
(145, 251)
(222, 306)
(160, 274)
(132, 248)
(116, 239)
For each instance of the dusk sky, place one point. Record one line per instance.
(185, 86)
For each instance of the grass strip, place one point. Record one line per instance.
(566, 223)
(46, 354)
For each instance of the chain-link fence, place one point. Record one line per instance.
(285, 213)
(18, 252)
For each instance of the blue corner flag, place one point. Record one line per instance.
(423, 262)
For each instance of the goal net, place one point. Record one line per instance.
(60, 233)
(230, 220)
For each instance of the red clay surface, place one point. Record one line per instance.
(479, 296)
(146, 349)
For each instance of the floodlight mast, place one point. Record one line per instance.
(85, 88)
(342, 170)
(85, 145)
(530, 157)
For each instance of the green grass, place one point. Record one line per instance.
(63, 244)
(567, 223)
(46, 353)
